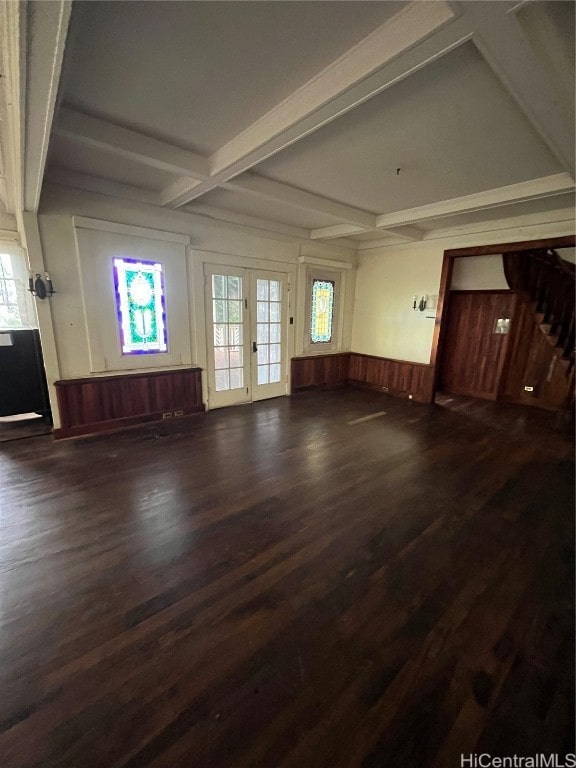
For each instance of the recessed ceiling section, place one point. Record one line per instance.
(551, 30)
(198, 73)
(76, 157)
(260, 208)
(450, 128)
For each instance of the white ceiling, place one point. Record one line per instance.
(298, 114)
(198, 73)
(451, 128)
(67, 154)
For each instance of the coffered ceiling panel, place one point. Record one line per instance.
(198, 73)
(263, 209)
(67, 154)
(325, 120)
(451, 129)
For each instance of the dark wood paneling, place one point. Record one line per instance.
(447, 267)
(473, 355)
(316, 371)
(398, 377)
(534, 361)
(290, 585)
(111, 402)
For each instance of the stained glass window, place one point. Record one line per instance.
(140, 306)
(322, 309)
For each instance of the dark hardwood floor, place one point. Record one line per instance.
(334, 579)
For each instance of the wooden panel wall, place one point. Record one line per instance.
(533, 361)
(398, 377)
(318, 371)
(111, 402)
(473, 355)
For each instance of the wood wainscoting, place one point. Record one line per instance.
(103, 403)
(397, 377)
(317, 371)
(382, 374)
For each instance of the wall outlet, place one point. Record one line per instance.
(384, 389)
(178, 413)
(528, 389)
(167, 415)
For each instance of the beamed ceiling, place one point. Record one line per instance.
(374, 122)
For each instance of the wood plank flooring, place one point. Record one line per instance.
(289, 584)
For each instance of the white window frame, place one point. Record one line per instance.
(24, 302)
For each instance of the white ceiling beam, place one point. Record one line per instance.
(500, 39)
(387, 41)
(115, 140)
(409, 233)
(176, 188)
(233, 217)
(547, 186)
(338, 230)
(512, 193)
(258, 186)
(47, 29)
(103, 186)
(418, 35)
(560, 222)
(13, 18)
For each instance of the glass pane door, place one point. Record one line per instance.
(268, 325)
(228, 357)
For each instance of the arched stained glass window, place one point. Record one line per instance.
(321, 312)
(140, 306)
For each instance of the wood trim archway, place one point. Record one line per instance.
(446, 278)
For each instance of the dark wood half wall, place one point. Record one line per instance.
(103, 403)
(397, 377)
(316, 371)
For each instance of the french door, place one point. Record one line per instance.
(246, 325)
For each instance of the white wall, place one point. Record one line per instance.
(479, 273)
(212, 242)
(384, 323)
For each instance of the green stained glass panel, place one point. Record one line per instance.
(140, 306)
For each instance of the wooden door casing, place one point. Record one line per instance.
(473, 355)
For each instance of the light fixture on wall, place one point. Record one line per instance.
(39, 286)
(419, 304)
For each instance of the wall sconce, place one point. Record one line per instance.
(40, 287)
(419, 305)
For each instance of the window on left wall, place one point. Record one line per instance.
(141, 306)
(14, 308)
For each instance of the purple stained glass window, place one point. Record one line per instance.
(140, 306)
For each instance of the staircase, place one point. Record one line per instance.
(546, 283)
